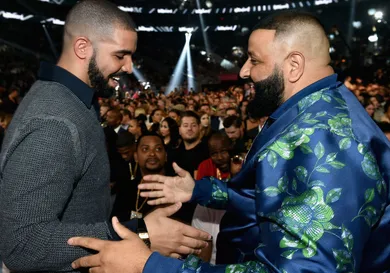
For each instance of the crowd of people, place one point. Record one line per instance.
(216, 138)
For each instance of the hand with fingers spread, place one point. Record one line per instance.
(127, 256)
(168, 190)
(172, 238)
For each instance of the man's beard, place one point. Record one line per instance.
(268, 96)
(97, 80)
(191, 140)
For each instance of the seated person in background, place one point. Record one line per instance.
(234, 129)
(150, 156)
(189, 155)
(221, 166)
(129, 173)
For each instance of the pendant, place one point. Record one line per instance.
(135, 215)
(132, 177)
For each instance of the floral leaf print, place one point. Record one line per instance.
(272, 191)
(251, 266)
(309, 101)
(321, 169)
(341, 126)
(362, 148)
(369, 195)
(370, 215)
(301, 173)
(289, 254)
(311, 121)
(333, 195)
(321, 114)
(326, 98)
(283, 183)
(347, 238)
(340, 101)
(263, 155)
(272, 159)
(370, 167)
(331, 157)
(319, 150)
(329, 226)
(307, 215)
(305, 149)
(337, 164)
(342, 258)
(318, 183)
(294, 185)
(321, 126)
(345, 143)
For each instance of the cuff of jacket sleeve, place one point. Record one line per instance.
(131, 225)
(202, 191)
(160, 264)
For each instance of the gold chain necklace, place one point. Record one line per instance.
(132, 175)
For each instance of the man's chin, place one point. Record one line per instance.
(154, 170)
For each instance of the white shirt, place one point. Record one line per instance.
(220, 124)
(208, 220)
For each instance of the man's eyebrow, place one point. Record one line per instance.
(124, 52)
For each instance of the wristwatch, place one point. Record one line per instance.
(143, 232)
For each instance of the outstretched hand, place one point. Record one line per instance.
(168, 190)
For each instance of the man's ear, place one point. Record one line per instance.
(296, 66)
(82, 48)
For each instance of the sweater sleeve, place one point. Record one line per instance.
(39, 171)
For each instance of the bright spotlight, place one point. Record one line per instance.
(371, 12)
(203, 53)
(138, 74)
(177, 76)
(357, 24)
(332, 50)
(373, 38)
(209, 4)
(378, 15)
(190, 71)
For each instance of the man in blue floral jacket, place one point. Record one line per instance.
(315, 182)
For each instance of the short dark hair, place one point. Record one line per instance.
(232, 108)
(190, 114)
(125, 139)
(126, 112)
(116, 113)
(232, 121)
(96, 19)
(386, 107)
(384, 126)
(220, 136)
(150, 134)
(284, 22)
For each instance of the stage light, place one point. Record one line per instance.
(357, 24)
(209, 4)
(204, 34)
(378, 15)
(373, 38)
(203, 52)
(177, 75)
(190, 70)
(138, 74)
(371, 12)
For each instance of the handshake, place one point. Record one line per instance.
(167, 236)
